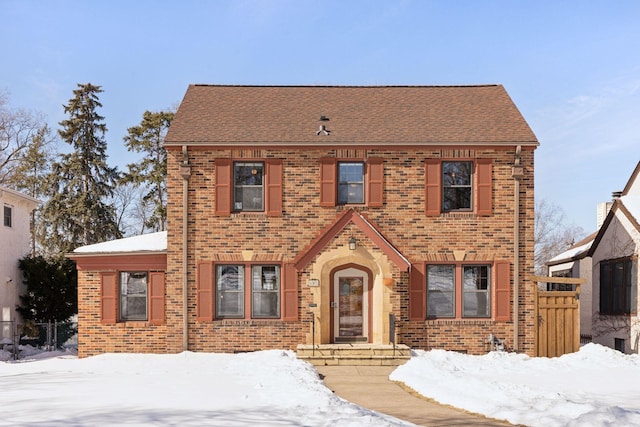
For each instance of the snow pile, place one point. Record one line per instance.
(596, 386)
(268, 388)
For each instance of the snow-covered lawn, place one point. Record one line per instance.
(595, 387)
(268, 388)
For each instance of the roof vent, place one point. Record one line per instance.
(322, 130)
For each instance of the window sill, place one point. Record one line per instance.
(247, 322)
(443, 321)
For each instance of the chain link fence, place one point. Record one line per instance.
(23, 339)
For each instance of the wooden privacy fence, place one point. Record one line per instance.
(557, 315)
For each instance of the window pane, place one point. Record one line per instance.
(350, 183)
(605, 288)
(475, 291)
(229, 291)
(248, 187)
(133, 295)
(456, 185)
(265, 288)
(440, 290)
(618, 289)
(7, 216)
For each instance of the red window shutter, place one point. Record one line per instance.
(375, 182)
(223, 186)
(156, 298)
(417, 293)
(204, 292)
(503, 290)
(290, 293)
(484, 188)
(109, 298)
(328, 181)
(432, 187)
(274, 187)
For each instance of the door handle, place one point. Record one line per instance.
(334, 304)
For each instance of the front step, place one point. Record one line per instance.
(354, 354)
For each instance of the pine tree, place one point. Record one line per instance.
(151, 170)
(51, 289)
(33, 167)
(80, 182)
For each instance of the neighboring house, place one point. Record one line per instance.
(15, 236)
(329, 214)
(614, 255)
(575, 262)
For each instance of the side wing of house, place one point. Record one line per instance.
(616, 322)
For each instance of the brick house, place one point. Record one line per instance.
(368, 210)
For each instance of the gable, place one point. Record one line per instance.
(365, 115)
(333, 229)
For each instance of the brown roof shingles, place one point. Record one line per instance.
(274, 115)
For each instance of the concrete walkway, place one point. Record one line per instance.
(370, 387)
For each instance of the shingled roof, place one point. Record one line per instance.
(355, 115)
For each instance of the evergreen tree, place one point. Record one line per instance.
(52, 289)
(80, 182)
(32, 168)
(151, 170)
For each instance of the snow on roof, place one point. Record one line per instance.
(568, 254)
(574, 251)
(152, 242)
(632, 203)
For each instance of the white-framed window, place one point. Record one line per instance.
(441, 290)
(458, 291)
(8, 216)
(133, 295)
(248, 186)
(476, 298)
(457, 186)
(239, 295)
(265, 291)
(350, 183)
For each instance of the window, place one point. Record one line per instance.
(617, 293)
(458, 291)
(265, 291)
(618, 344)
(8, 211)
(475, 291)
(456, 186)
(232, 286)
(133, 295)
(248, 187)
(350, 183)
(440, 290)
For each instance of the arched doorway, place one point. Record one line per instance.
(351, 304)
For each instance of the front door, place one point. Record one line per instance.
(350, 306)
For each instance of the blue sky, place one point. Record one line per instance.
(572, 67)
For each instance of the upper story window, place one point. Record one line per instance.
(457, 186)
(248, 185)
(617, 290)
(8, 214)
(350, 183)
(133, 295)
